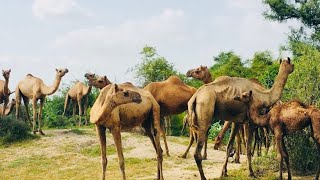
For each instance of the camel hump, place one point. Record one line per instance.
(174, 79)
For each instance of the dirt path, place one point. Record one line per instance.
(65, 154)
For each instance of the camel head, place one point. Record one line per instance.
(99, 82)
(62, 72)
(90, 76)
(245, 97)
(6, 73)
(198, 73)
(286, 65)
(13, 102)
(120, 96)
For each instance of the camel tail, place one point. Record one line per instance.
(185, 123)
(192, 114)
(66, 102)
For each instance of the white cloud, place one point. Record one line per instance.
(43, 9)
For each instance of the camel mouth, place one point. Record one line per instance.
(137, 100)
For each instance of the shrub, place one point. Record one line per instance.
(302, 152)
(59, 122)
(12, 130)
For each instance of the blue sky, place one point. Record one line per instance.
(105, 37)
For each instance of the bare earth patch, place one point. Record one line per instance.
(64, 154)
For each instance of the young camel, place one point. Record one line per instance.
(172, 95)
(77, 93)
(9, 108)
(4, 90)
(283, 119)
(34, 88)
(104, 114)
(215, 101)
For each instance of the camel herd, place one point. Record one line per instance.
(121, 107)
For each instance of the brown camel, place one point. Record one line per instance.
(283, 119)
(215, 101)
(9, 108)
(203, 74)
(104, 114)
(172, 95)
(76, 93)
(34, 88)
(4, 90)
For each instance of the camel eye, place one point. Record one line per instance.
(126, 93)
(60, 71)
(100, 81)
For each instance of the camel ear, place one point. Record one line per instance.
(9, 70)
(57, 70)
(280, 60)
(2, 71)
(105, 77)
(250, 93)
(116, 88)
(289, 60)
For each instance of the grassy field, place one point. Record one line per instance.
(75, 154)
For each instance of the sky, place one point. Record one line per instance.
(106, 37)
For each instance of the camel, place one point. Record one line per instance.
(33, 88)
(203, 74)
(9, 108)
(283, 119)
(215, 101)
(4, 90)
(172, 95)
(76, 93)
(124, 117)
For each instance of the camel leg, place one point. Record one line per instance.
(40, 116)
(5, 103)
(267, 139)
(315, 131)
(286, 158)
(219, 138)
(66, 102)
(117, 140)
(157, 131)
(279, 139)
(74, 108)
(101, 131)
(204, 157)
(255, 141)
(197, 154)
(34, 108)
(18, 102)
(191, 140)
(85, 107)
(234, 131)
(248, 146)
(164, 136)
(238, 149)
(26, 104)
(80, 110)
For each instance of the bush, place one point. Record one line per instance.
(60, 122)
(302, 152)
(12, 130)
(214, 131)
(176, 124)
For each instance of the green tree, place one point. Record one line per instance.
(307, 12)
(153, 67)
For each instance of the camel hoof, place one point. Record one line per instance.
(252, 175)
(41, 133)
(183, 156)
(34, 132)
(204, 158)
(168, 155)
(237, 161)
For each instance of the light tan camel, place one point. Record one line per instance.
(123, 117)
(34, 88)
(172, 95)
(215, 101)
(77, 93)
(283, 119)
(9, 108)
(4, 90)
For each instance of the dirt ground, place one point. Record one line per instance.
(64, 143)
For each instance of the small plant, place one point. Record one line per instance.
(12, 130)
(214, 131)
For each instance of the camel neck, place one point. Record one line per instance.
(208, 78)
(278, 86)
(48, 90)
(6, 87)
(256, 118)
(87, 90)
(9, 109)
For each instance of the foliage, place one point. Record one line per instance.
(214, 131)
(298, 144)
(177, 123)
(153, 67)
(307, 12)
(12, 129)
